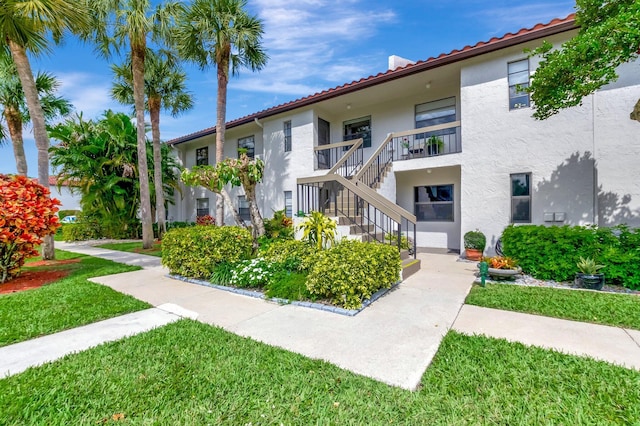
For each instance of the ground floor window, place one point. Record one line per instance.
(434, 203)
(521, 198)
(288, 205)
(202, 207)
(243, 208)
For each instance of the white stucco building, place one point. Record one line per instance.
(452, 142)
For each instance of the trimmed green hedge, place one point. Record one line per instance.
(294, 255)
(551, 253)
(195, 251)
(352, 271)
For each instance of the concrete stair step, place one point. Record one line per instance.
(409, 267)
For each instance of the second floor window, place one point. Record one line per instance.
(358, 128)
(518, 83)
(287, 136)
(248, 144)
(202, 156)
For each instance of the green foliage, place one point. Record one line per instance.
(101, 157)
(352, 271)
(177, 225)
(475, 240)
(393, 240)
(79, 231)
(222, 273)
(551, 253)
(195, 251)
(90, 227)
(289, 285)
(294, 255)
(588, 266)
(254, 273)
(319, 230)
(609, 35)
(279, 226)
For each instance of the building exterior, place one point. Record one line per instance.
(449, 141)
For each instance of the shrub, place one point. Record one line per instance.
(279, 226)
(64, 213)
(551, 253)
(28, 215)
(475, 240)
(222, 273)
(289, 285)
(254, 273)
(205, 220)
(293, 255)
(80, 231)
(177, 225)
(196, 251)
(352, 271)
(319, 230)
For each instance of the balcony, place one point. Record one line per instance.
(430, 141)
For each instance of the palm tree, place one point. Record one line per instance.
(128, 23)
(14, 109)
(164, 83)
(26, 26)
(221, 33)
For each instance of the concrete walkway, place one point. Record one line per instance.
(393, 340)
(16, 358)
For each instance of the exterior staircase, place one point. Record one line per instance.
(348, 193)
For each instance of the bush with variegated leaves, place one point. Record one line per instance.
(28, 214)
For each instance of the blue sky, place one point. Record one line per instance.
(312, 44)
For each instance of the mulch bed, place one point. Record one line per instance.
(28, 280)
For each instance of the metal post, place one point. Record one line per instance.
(484, 272)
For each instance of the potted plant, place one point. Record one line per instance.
(474, 244)
(405, 147)
(435, 145)
(589, 277)
(502, 267)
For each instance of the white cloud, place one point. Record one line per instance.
(512, 18)
(307, 42)
(89, 93)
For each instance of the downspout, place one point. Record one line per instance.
(255, 119)
(596, 216)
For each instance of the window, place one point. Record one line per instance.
(288, 204)
(248, 144)
(243, 208)
(202, 156)
(521, 198)
(434, 203)
(287, 136)
(429, 114)
(202, 207)
(518, 82)
(358, 128)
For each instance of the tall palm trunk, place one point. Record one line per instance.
(25, 74)
(137, 62)
(154, 112)
(221, 109)
(14, 123)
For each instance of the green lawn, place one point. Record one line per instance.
(190, 373)
(67, 303)
(620, 310)
(135, 247)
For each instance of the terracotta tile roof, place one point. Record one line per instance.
(53, 181)
(539, 30)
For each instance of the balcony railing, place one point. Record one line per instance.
(344, 158)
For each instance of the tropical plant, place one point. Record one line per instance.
(319, 230)
(279, 226)
(608, 36)
(475, 240)
(246, 172)
(165, 88)
(208, 177)
(501, 262)
(128, 24)
(14, 109)
(588, 266)
(28, 214)
(221, 34)
(29, 26)
(101, 157)
(205, 220)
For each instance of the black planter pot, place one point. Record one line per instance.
(590, 281)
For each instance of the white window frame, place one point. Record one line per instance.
(202, 160)
(514, 85)
(286, 127)
(288, 203)
(242, 142)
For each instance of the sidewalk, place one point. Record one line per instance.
(393, 340)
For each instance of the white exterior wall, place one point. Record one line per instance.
(563, 153)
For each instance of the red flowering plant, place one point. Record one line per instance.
(27, 214)
(205, 220)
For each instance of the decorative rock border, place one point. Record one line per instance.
(313, 305)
